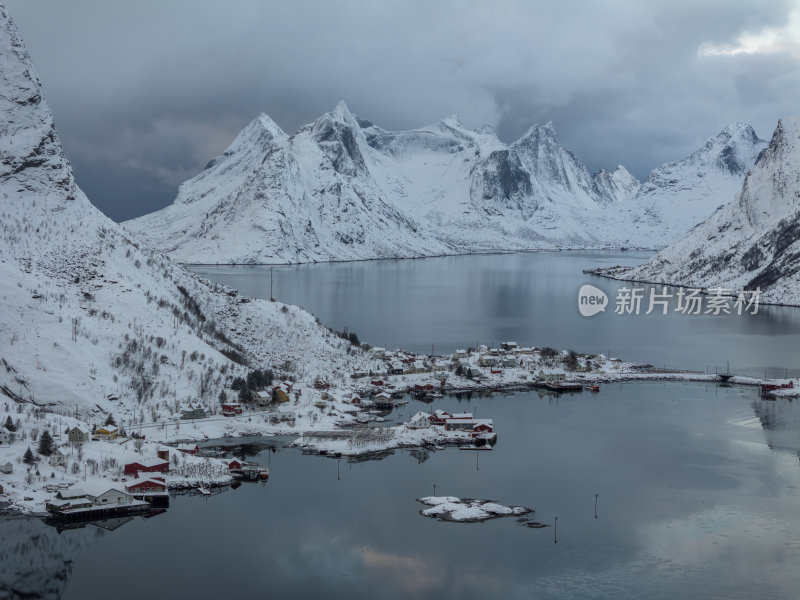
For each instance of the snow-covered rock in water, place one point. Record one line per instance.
(679, 195)
(90, 321)
(752, 242)
(451, 508)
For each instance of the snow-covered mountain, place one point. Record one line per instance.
(343, 188)
(679, 195)
(752, 242)
(86, 313)
(309, 197)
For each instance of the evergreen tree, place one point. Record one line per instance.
(244, 394)
(110, 420)
(9, 424)
(469, 373)
(27, 458)
(46, 444)
(223, 397)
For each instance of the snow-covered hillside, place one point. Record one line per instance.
(752, 242)
(343, 188)
(87, 315)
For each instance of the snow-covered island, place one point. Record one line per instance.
(465, 510)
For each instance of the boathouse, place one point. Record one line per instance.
(98, 492)
(383, 400)
(143, 486)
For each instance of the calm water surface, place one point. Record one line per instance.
(697, 484)
(531, 298)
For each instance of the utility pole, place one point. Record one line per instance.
(271, 296)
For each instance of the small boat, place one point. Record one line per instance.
(486, 447)
(263, 475)
(204, 491)
(593, 388)
(438, 447)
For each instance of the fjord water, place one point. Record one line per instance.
(531, 298)
(697, 498)
(697, 484)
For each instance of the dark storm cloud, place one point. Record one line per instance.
(144, 93)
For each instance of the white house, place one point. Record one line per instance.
(98, 492)
(58, 458)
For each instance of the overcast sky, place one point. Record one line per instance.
(144, 93)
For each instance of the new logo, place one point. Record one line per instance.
(591, 300)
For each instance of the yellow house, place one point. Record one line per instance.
(280, 393)
(107, 432)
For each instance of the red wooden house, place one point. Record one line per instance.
(141, 486)
(147, 465)
(234, 464)
(230, 409)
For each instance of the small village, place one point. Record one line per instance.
(58, 465)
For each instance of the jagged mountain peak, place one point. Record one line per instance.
(538, 133)
(452, 121)
(259, 134)
(771, 189)
(340, 114)
(614, 186)
(340, 137)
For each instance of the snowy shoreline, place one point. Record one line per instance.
(490, 252)
(616, 273)
(321, 421)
